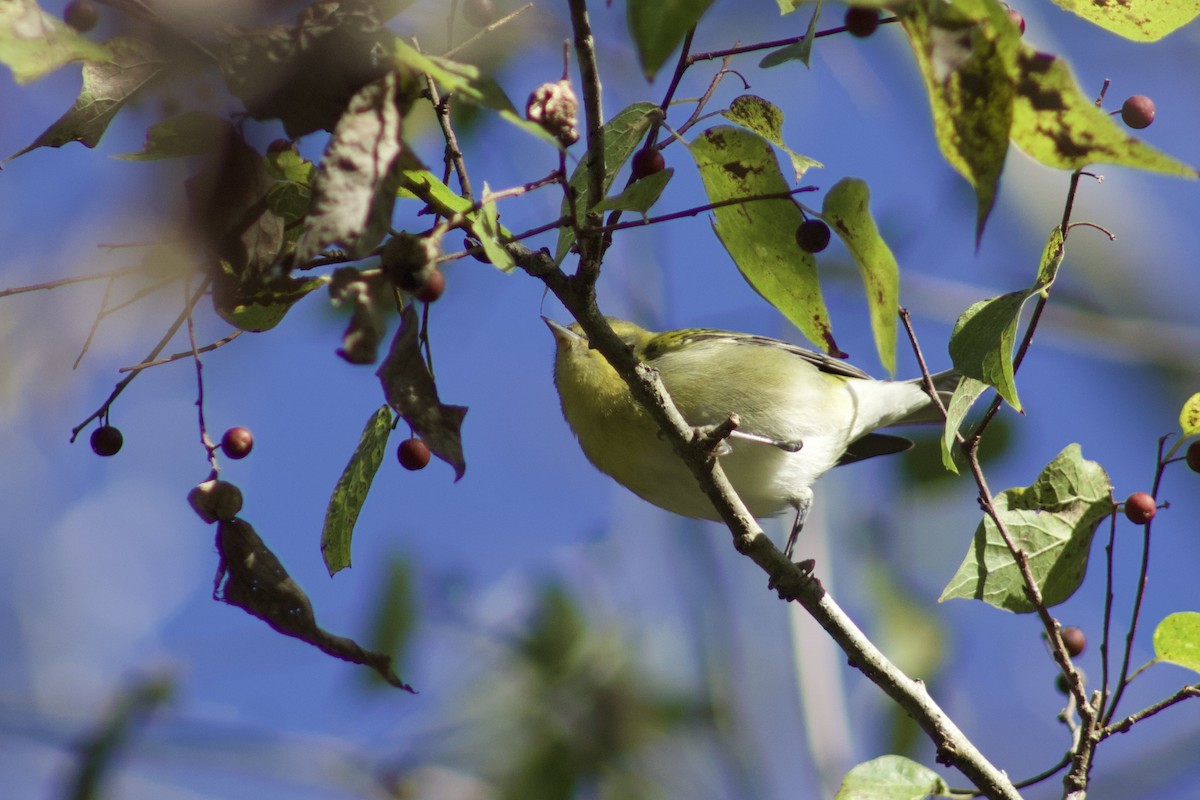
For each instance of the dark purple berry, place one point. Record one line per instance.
(812, 236)
(479, 13)
(647, 161)
(107, 440)
(862, 22)
(82, 15)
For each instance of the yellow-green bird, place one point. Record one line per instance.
(800, 414)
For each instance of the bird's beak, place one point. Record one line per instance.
(562, 334)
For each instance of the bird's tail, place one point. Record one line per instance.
(944, 383)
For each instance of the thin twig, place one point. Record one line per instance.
(158, 348)
(87, 343)
(208, 348)
(99, 276)
(453, 51)
(210, 449)
(1127, 723)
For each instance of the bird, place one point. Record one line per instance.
(799, 414)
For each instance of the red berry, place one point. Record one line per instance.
(1193, 456)
(479, 13)
(280, 146)
(1074, 640)
(862, 22)
(433, 286)
(82, 15)
(1017, 18)
(107, 440)
(237, 442)
(812, 236)
(1140, 508)
(1138, 111)
(647, 161)
(413, 454)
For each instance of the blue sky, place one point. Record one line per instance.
(109, 573)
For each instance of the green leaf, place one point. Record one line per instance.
(640, 195)
(1177, 640)
(801, 50)
(410, 389)
(1143, 21)
(289, 165)
(983, 338)
(622, 134)
(760, 235)
(966, 52)
(1056, 124)
(658, 26)
(259, 306)
(351, 490)
(195, 133)
(764, 118)
(467, 83)
(1052, 522)
(107, 86)
(847, 209)
(486, 227)
(964, 397)
(890, 778)
(34, 43)
(982, 342)
(1189, 416)
(290, 202)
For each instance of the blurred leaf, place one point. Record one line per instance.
(847, 209)
(760, 235)
(966, 52)
(351, 490)
(622, 134)
(369, 297)
(410, 389)
(1177, 640)
(801, 50)
(107, 86)
(1189, 416)
(764, 118)
(890, 778)
(34, 43)
(982, 342)
(256, 582)
(658, 26)
(640, 195)
(395, 611)
(1144, 21)
(195, 133)
(1052, 521)
(306, 74)
(1056, 124)
(99, 750)
(356, 182)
